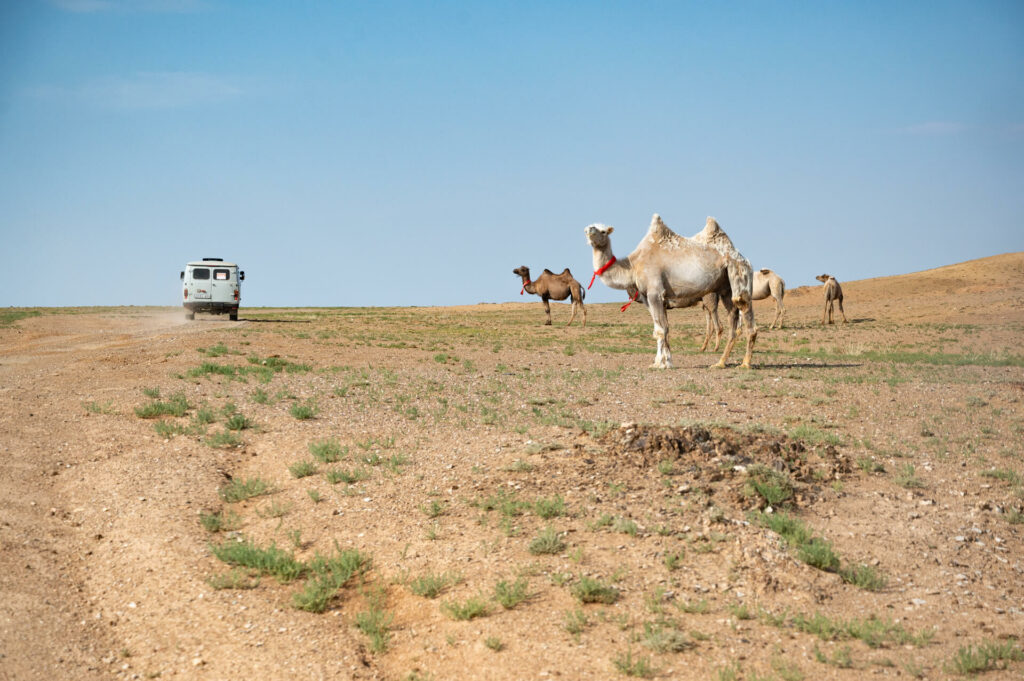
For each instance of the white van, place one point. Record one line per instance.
(212, 285)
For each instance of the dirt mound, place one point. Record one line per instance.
(727, 465)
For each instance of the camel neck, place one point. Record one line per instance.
(610, 268)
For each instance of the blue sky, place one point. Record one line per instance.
(414, 153)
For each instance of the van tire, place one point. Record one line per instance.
(190, 315)
(233, 316)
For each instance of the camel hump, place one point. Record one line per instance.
(547, 271)
(566, 273)
(658, 228)
(712, 228)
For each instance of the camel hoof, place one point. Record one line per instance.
(548, 323)
(717, 365)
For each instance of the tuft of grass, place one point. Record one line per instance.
(434, 509)
(303, 411)
(674, 559)
(510, 594)
(1005, 474)
(94, 407)
(328, 575)
(626, 526)
(237, 422)
(774, 488)
(869, 465)
(471, 608)
(494, 643)
(176, 405)
(864, 576)
(662, 638)
(302, 469)
(240, 490)
(818, 553)
(269, 561)
(204, 416)
(233, 579)
(504, 502)
(223, 440)
(328, 451)
(907, 477)
(983, 657)
(591, 590)
(220, 522)
(376, 624)
(167, 429)
(336, 475)
(575, 623)
(814, 436)
(432, 585)
(639, 667)
(548, 541)
(550, 508)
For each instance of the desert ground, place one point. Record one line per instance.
(464, 493)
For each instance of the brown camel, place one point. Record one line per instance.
(551, 286)
(833, 294)
(669, 271)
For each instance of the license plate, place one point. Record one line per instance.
(201, 295)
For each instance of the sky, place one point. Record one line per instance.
(413, 153)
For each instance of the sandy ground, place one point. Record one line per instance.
(469, 432)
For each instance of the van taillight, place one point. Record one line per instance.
(236, 294)
(186, 294)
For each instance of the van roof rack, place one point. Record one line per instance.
(217, 259)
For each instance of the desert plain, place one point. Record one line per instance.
(463, 493)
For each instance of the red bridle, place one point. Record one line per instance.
(600, 271)
(631, 299)
(525, 284)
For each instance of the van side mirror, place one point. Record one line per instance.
(241, 276)
(183, 276)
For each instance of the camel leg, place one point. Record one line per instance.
(573, 315)
(730, 340)
(779, 311)
(824, 313)
(718, 325)
(707, 328)
(840, 301)
(656, 306)
(547, 311)
(584, 310)
(751, 328)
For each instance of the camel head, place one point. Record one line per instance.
(823, 277)
(597, 235)
(522, 271)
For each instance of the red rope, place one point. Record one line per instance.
(525, 284)
(599, 272)
(634, 297)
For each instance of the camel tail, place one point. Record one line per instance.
(741, 281)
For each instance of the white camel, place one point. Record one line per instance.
(669, 271)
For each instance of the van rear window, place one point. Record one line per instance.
(221, 275)
(200, 273)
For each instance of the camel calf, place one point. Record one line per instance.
(833, 294)
(551, 286)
